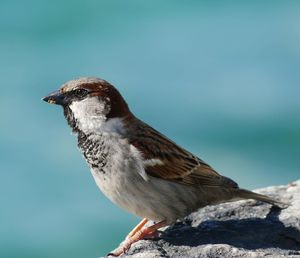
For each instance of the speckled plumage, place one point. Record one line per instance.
(134, 165)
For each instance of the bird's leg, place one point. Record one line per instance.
(137, 227)
(138, 235)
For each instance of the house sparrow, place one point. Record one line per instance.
(135, 166)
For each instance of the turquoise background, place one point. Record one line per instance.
(221, 78)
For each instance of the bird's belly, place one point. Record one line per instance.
(154, 198)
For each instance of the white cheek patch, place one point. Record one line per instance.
(89, 114)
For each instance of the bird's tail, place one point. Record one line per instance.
(246, 194)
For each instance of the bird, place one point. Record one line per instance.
(137, 167)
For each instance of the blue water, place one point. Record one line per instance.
(222, 80)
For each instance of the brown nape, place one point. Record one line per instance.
(118, 106)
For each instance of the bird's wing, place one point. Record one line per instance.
(166, 160)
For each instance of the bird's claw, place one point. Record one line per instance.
(122, 249)
(140, 234)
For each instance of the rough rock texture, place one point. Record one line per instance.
(238, 229)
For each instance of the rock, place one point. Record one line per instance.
(238, 229)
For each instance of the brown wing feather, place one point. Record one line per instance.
(178, 164)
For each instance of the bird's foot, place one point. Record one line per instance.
(136, 235)
(153, 235)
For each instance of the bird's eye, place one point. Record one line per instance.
(81, 93)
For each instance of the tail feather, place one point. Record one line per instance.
(246, 194)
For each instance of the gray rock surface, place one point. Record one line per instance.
(237, 229)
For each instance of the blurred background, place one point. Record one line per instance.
(220, 78)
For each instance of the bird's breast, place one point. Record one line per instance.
(95, 152)
(115, 165)
(118, 170)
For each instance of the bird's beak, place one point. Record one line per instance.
(56, 97)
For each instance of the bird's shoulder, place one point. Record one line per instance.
(170, 161)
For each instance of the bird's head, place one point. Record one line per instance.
(88, 103)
